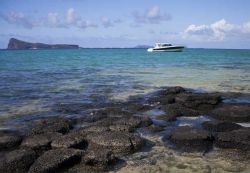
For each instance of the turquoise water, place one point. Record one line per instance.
(33, 81)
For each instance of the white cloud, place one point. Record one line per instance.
(106, 22)
(71, 17)
(18, 18)
(217, 31)
(85, 24)
(153, 15)
(246, 27)
(53, 20)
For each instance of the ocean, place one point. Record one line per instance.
(74, 83)
(33, 81)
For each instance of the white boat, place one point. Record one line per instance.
(166, 47)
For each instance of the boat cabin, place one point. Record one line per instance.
(158, 45)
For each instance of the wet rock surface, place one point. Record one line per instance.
(56, 160)
(71, 140)
(55, 124)
(40, 142)
(103, 134)
(232, 112)
(220, 126)
(9, 141)
(17, 161)
(99, 159)
(191, 138)
(118, 142)
(237, 139)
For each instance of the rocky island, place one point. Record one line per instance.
(19, 44)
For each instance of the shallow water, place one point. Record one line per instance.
(32, 82)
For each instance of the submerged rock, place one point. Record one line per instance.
(99, 159)
(56, 160)
(199, 101)
(237, 139)
(220, 126)
(55, 124)
(166, 96)
(155, 128)
(121, 128)
(118, 142)
(41, 142)
(232, 113)
(9, 141)
(71, 140)
(176, 110)
(17, 161)
(190, 138)
(130, 121)
(172, 90)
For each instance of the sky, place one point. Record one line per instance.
(127, 23)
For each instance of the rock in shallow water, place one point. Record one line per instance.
(220, 126)
(198, 100)
(41, 142)
(9, 141)
(56, 160)
(118, 142)
(190, 138)
(232, 113)
(130, 121)
(237, 139)
(100, 159)
(55, 124)
(71, 140)
(17, 161)
(176, 110)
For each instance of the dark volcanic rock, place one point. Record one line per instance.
(190, 138)
(237, 139)
(56, 160)
(166, 96)
(41, 142)
(94, 128)
(131, 121)
(172, 90)
(18, 44)
(137, 107)
(220, 126)
(199, 101)
(71, 140)
(9, 141)
(121, 127)
(118, 142)
(233, 113)
(155, 128)
(100, 159)
(54, 124)
(163, 100)
(176, 110)
(167, 117)
(17, 161)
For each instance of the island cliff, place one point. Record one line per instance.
(19, 44)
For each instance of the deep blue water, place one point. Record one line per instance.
(33, 81)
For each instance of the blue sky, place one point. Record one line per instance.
(126, 23)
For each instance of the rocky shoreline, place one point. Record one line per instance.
(102, 139)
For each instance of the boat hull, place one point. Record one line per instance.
(167, 49)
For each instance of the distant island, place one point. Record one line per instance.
(142, 46)
(19, 44)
